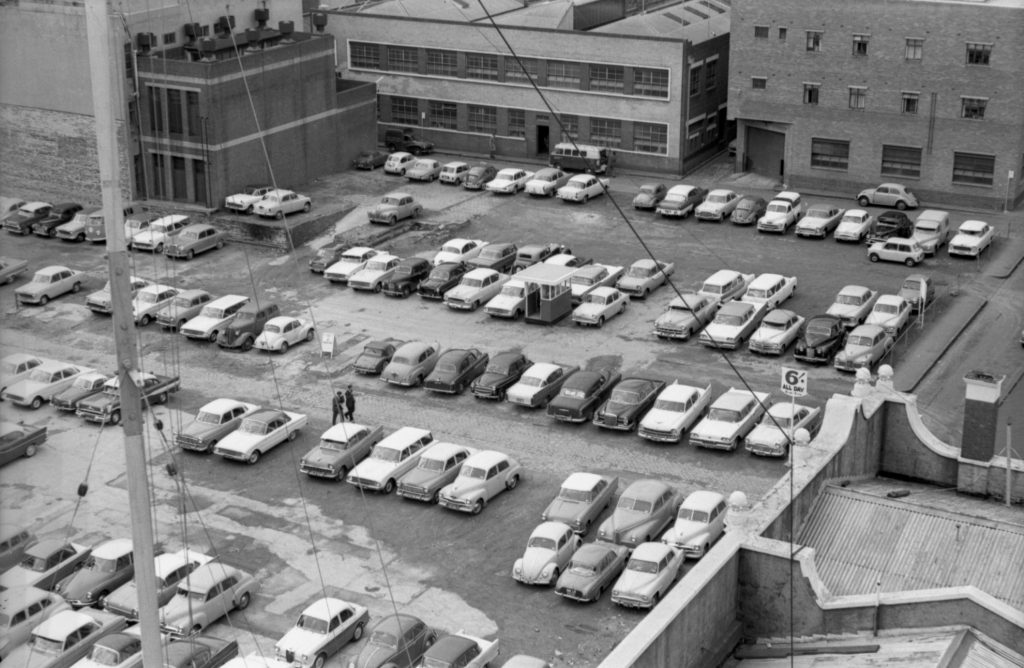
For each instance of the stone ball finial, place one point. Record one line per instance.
(863, 375)
(738, 500)
(885, 372)
(802, 436)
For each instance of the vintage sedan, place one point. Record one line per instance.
(592, 570)
(110, 565)
(170, 567)
(159, 233)
(398, 162)
(85, 385)
(649, 195)
(244, 201)
(509, 181)
(630, 398)
(455, 369)
(458, 250)
(546, 182)
(390, 459)
(918, 290)
(17, 366)
(279, 203)
(748, 210)
(718, 205)
(784, 210)
(548, 550)
(777, 332)
(511, 301)
(820, 339)
(699, 523)
(11, 268)
(852, 304)
(59, 214)
(394, 207)
(49, 283)
(45, 564)
(483, 476)
(21, 610)
(644, 276)
(100, 301)
(351, 261)
(854, 226)
(643, 511)
(581, 500)
(441, 279)
(215, 420)
(651, 571)
(424, 169)
(411, 363)
(971, 239)
(820, 220)
(247, 324)
(461, 650)
(209, 593)
(680, 201)
(149, 301)
(502, 372)
(476, 288)
(19, 440)
(725, 284)
(341, 448)
(582, 188)
(326, 256)
(539, 384)
(408, 275)
(370, 159)
(676, 409)
(686, 315)
(599, 305)
(21, 221)
(260, 432)
(892, 313)
(437, 467)
(376, 355)
(195, 239)
(531, 254)
(283, 331)
(770, 290)
(64, 638)
(865, 346)
(186, 305)
(888, 194)
(772, 437)
(733, 324)
(397, 641)
(378, 270)
(498, 257)
(731, 417)
(322, 629)
(45, 381)
(592, 276)
(581, 393)
(479, 176)
(200, 652)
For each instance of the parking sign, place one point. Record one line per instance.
(794, 382)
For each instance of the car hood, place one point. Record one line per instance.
(773, 217)
(811, 223)
(766, 434)
(383, 208)
(660, 419)
(240, 441)
(32, 288)
(849, 228)
(344, 268)
(881, 319)
(504, 301)
(623, 521)
(491, 379)
(199, 429)
(177, 610)
(300, 641)
(589, 310)
(925, 237)
(710, 207)
(769, 335)
(202, 323)
(715, 429)
(844, 310)
(675, 319)
(853, 352)
(717, 330)
(817, 339)
(966, 240)
(243, 198)
(634, 581)
(462, 487)
(98, 401)
(743, 215)
(564, 511)
(374, 469)
(126, 596)
(149, 236)
(619, 408)
(499, 183)
(369, 362)
(632, 281)
(26, 388)
(461, 292)
(272, 339)
(687, 530)
(80, 582)
(535, 559)
(446, 256)
(421, 477)
(643, 199)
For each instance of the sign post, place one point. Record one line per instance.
(327, 344)
(794, 384)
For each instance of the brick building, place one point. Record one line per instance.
(836, 96)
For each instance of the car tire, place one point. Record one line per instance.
(44, 300)
(873, 257)
(279, 215)
(284, 347)
(341, 474)
(115, 417)
(863, 201)
(901, 205)
(159, 249)
(254, 457)
(52, 232)
(243, 601)
(600, 321)
(436, 498)
(80, 238)
(306, 207)
(419, 381)
(910, 262)
(377, 287)
(248, 210)
(36, 402)
(292, 435)
(586, 198)
(478, 507)
(389, 486)
(310, 335)
(220, 244)
(357, 632)
(319, 661)
(196, 629)
(210, 447)
(160, 398)
(247, 343)
(144, 320)
(190, 254)
(31, 450)
(392, 220)
(213, 336)
(512, 483)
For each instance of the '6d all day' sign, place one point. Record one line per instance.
(794, 382)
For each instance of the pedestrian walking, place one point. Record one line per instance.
(350, 403)
(337, 407)
(611, 162)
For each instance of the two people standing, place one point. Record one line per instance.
(343, 405)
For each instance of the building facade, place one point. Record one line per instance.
(837, 96)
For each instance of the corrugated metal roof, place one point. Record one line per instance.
(861, 540)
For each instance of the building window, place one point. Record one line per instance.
(650, 138)
(978, 54)
(694, 133)
(365, 55)
(901, 161)
(761, 32)
(570, 127)
(607, 78)
(860, 45)
(973, 169)
(443, 115)
(442, 63)
(910, 102)
(170, 37)
(516, 123)
(973, 107)
(710, 75)
(649, 83)
(175, 119)
(403, 59)
(562, 74)
(782, 34)
(811, 91)
(914, 49)
(405, 110)
(858, 97)
(814, 40)
(758, 83)
(482, 66)
(711, 130)
(514, 69)
(156, 109)
(830, 153)
(482, 119)
(199, 180)
(695, 80)
(192, 113)
(606, 132)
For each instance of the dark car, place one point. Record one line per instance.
(581, 394)
(376, 355)
(531, 254)
(110, 565)
(630, 399)
(326, 256)
(501, 373)
(370, 159)
(498, 257)
(441, 279)
(247, 325)
(85, 385)
(891, 224)
(45, 564)
(22, 220)
(19, 440)
(59, 214)
(820, 338)
(749, 210)
(478, 176)
(398, 641)
(455, 369)
(199, 652)
(407, 277)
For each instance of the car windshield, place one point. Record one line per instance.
(253, 427)
(189, 236)
(472, 283)
(212, 312)
(860, 341)
(597, 299)
(670, 405)
(513, 291)
(499, 366)
(693, 515)
(778, 208)
(642, 566)
(927, 226)
(819, 213)
(208, 417)
(311, 624)
(384, 639)
(375, 351)
(101, 565)
(573, 393)
(913, 285)
(723, 415)
(623, 396)
(403, 270)
(430, 464)
(887, 308)
(491, 254)
(853, 219)
(582, 568)
(574, 185)
(850, 300)
(783, 421)
(41, 277)
(648, 189)
(182, 302)
(149, 297)
(334, 444)
(972, 232)
(104, 656)
(352, 257)
(531, 381)
(440, 274)
(636, 505)
(729, 319)
(774, 324)
(746, 205)
(473, 472)
(757, 293)
(819, 329)
(34, 564)
(196, 596)
(582, 280)
(400, 360)
(324, 253)
(713, 289)
(578, 495)
(452, 248)
(377, 265)
(272, 329)
(40, 376)
(84, 383)
(639, 272)
(546, 176)
(718, 199)
(47, 645)
(448, 367)
(386, 454)
(541, 542)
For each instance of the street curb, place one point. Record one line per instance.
(910, 374)
(1016, 251)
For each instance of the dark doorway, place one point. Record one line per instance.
(542, 140)
(765, 152)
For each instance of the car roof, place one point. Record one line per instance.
(358, 250)
(33, 206)
(722, 276)
(281, 319)
(456, 163)
(46, 546)
(591, 553)
(401, 437)
(198, 227)
(867, 330)
(677, 390)
(646, 488)
(681, 189)
(171, 561)
(645, 262)
(766, 281)
(54, 268)
(18, 598)
(705, 500)
(207, 575)
(890, 299)
(552, 530)
(451, 646)
(265, 415)
(399, 194)
(18, 358)
(62, 623)
(734, 399)
(192, 292)
(854, 290)
(227, 300)
(220, 405)
(325, 608)
(542, 368)
(481, 272)
(118, 641)
(785, 409)
(975, 225)
(788, 195)
(397, 624)
(604, 291)
(860, 213)
(54, 365)
(113, 548)
(779, 315)
(400, 154)
(722, 191)
(157, 288)
(444, 450)
(342, 431)
(651, 551)
(454, 353)
(177, 217)
(736, 308)
(581, 482)
(413, 347)
(485, 459)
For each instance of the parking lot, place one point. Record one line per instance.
(452, 570)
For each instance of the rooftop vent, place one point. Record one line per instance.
(262, 15)
(145, 41)
(319, 21)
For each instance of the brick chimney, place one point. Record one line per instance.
(978, 443)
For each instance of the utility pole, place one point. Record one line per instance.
(102, 60)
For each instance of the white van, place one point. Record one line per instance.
(454, 173)
(579, 158)
(770, 289)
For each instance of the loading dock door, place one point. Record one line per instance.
(766, 151)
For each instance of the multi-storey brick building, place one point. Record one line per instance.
(836, 96)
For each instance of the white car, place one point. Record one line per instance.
(546, 182)
(819, 220)
(888, 194)
(378, 270)
(170, 568)
(592, 276)
(725, 284)
(510, 302)
(776, 333)
(700, 521)
(852, 304)
(855, 225)
(548, 550)
(477, 287)
(394, 456)
(282, 332)
(149, 300)
(100, 301)
(483, 476)
(351, 261)
(322, 629)
(454, 173)
(733, 324)
(214, 317)
(539, 384)
(651, 571)
(973, 237)
(931, 229)
(603, 303)
(783, 212)
(718, 205)
(260, 432)
(771, 438)
(675, 411)
(279, 203)
(770, 290)
(243, 202)
(42, 383)
(891, 313)
(509, 181)
(49, 283)
(158, 233)
(730, 419)
(458, 250)
(582, 187)
(398, 162)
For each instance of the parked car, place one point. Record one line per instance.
(137, 219)
(772, 437)
(100, 301)
(733, 324)
(866, 345)
(21, 610)
(441, 279)
(399, 162)
(583, 188)
(725, 284)
(718, 205)
(972, 238)
(674, 412)
(394, 207)
(548, 550)
(906, 251)
(855, 225)
(408, 275)
(215, 420)
(599, 305)
(437, 467)
(502, 372)
(209, 593)
(581, 500)
(918, 290)
(64, 638)
(644, 276)
(458, 250)
(49, 283)
(19, 440)
(592, 570)
(16, 366)
(539, 384)
(59, 214)
(351, 261)
(326, 256)
(259, 433)
(170, 567)
(730, 418)
(454, 173)
(643, 511)
(511, 301)
(456, 368)
(819, 221)
(45, 381)
(322, 629)
(411, 363)
(888, 194)
(820, 339)
(376, 355)
(391, 458)
(27, 215)
(85, 385)
(75, 229)
(680, 201)
(931, 230)
(397, 641)
(686, 315)
(592, 276)
(891, 224)
(479, 176)
(531, 254)
(14, 539)
(581, 394)
(247, 325)
(214, 318)
(477, 287)
(699, 523)
(279, 203)
(891, 313)
(461, 650)
(651, 571)
(498, 257)
(370, 159)
(194, 239)
(509, 181)
(749, 210)
(149, 301)
(200, 652)
(111, 564)
(244, 201)
(784, 211)
(770, 289)
(776, 333)
(567, 259)
(629, 400)
(405, 139)
(483, 475)
(341, 448)
(852, 304)
(45, 564)
(186, 305)
(11, 268)
(378, 270)
(159, 233)
(424, 169)
(546, 182)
